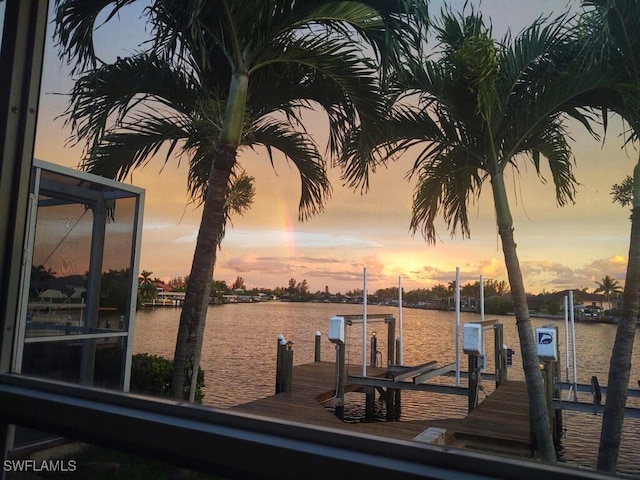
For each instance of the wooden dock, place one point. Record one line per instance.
(500, 424)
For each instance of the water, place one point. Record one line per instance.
(239, 348)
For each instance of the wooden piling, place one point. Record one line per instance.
(500, 354)
(287, 367)
(370, 393)
(398, 393)
(391, 339)
(373, 350)
(370, 404)
(282, 345)
(318, 337)
(475, 380)
(341, 374)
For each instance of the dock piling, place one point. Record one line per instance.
(287, 367)
(341, 375)
(318, 337)
(374, 350)
(281, 346)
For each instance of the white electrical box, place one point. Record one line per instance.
(336, 330)
(547, 343)
(472, 338)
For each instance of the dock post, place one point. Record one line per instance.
(316, 356)
(287, 367)
(370, 403)
(370, 393)
(474, 381)
(281, 347)
(341, 376)
(549, 375)
(398, 392)
(374, 350)
(391, 339)
(500, 355)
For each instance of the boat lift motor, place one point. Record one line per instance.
(336, 330)
(472, 341)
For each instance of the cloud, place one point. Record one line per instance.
(251, 263)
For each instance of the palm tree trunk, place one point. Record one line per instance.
(620, 364)
(538, 413)
(194, 309)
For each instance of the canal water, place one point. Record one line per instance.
(239, 356)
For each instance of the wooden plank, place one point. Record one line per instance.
(500, 424)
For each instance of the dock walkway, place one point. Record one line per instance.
(500, 424)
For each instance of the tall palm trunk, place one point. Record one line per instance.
(194, 309)
(538, 412)
(620, 364)
(186, 361)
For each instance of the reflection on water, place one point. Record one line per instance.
(240, 344)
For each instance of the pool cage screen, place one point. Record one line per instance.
(79, 280)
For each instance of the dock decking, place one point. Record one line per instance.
(499, 425)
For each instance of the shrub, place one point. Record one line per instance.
(498, 306)
(151, 375)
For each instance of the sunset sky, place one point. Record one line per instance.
(570, 247)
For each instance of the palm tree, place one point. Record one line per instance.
(482, 107)
(611, 37)
(145, 277)
(223, 75)
(608, 286)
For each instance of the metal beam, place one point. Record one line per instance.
(422, 387)
(433, 373)
(406, 372)
(582, 387)
(629, 412)
(21, 55)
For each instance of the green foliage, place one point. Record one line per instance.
(554, 308)
(622, 193)
(498, 306)
(151, 375)
(114, 291)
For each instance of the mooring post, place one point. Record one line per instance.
(341, 376)
(391, 339)
(549, 375)
(374, 350)
(398, 392)
(370, 403)
(370, 395)
(318, 338)
(287, 367)
(281, 346)
(500, 354)
(474, 381)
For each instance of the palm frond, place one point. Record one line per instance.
(300, 150)
(111, 92)
(75, 23)
(133, 145)
(447, 182)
